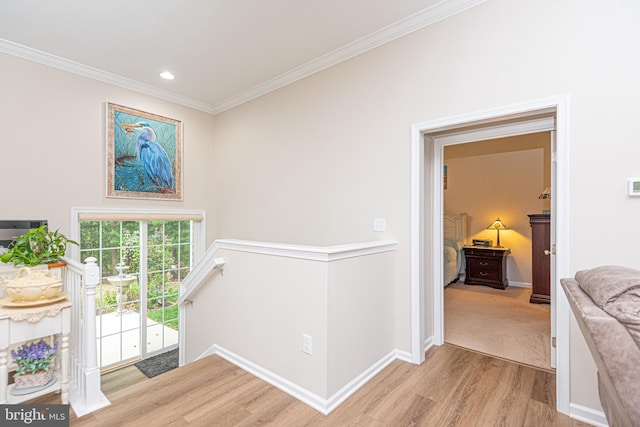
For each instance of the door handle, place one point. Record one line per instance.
(547, 252)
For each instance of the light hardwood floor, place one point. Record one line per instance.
(454, 387)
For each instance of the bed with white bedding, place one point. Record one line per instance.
(455, 231)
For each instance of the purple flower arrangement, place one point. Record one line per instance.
(34, 357)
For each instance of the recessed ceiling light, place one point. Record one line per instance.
(167, 75)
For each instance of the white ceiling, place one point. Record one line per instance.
(223, 52)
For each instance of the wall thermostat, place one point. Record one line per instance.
(634, 186)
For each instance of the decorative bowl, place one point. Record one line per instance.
(33, 285)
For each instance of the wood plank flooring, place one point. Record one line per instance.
(453, 387)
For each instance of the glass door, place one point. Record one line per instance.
(142, 265)
(168, 262)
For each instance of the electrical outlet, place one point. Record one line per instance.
(307, 344)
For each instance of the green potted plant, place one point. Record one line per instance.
(37, 246)
(34, 364)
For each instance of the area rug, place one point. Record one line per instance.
(498, 322)
(159, 364)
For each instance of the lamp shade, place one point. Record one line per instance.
(546, 194)
(497, 225)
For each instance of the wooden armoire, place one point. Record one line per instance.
(540, 262)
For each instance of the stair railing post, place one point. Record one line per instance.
(93, 394)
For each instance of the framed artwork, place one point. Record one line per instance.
(144, 155)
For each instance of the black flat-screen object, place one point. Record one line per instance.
(10, 229)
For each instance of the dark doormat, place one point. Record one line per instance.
(159, 364)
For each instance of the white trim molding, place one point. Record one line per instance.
(35, 55)
(488, 123)
(520, 284)
(588, 415)
(421, 19)
(322, 405)
(313, 253)
(441, 10)
(209, 262)
(498, 131)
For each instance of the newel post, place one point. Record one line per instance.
(90, 361)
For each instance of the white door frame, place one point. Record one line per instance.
(430, 283)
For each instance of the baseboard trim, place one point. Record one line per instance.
(300, 393)
(587, 415)
(354, 385)
(405, 356)
(519, 284)
(324, 406)
(428, 343)
(208, 352)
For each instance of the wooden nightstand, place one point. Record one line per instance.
(486, 266)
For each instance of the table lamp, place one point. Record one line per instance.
(497, 225)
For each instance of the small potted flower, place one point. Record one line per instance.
(35, 364)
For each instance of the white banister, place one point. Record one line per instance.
(80, 281)
(201, 271)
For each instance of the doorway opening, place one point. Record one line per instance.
(428, 140)
(488, 304)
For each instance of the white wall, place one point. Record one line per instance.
(52, 149)
(265, 301)
(316, 161)
(360, 316)
(259, 310)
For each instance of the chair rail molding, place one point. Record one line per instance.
(209, 262)
(313, 253)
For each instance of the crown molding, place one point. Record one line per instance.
(421, 19)
(35, 55)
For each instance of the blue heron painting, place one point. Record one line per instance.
(146, 155)
(152, 156)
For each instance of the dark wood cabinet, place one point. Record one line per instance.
(486, 266)
(540, 262)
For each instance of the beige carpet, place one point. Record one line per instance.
(498, 322)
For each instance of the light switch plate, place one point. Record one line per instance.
(379, 224)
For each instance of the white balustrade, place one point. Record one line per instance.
(80, 281)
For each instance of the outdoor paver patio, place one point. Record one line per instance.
(110, 350)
